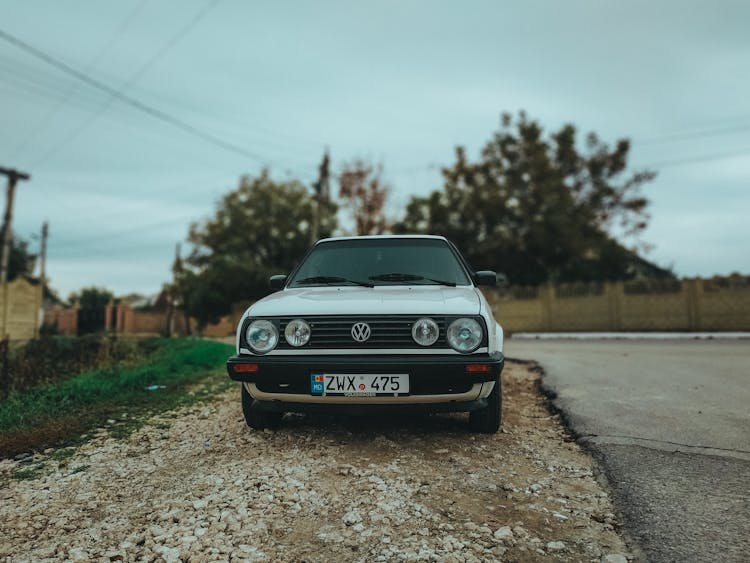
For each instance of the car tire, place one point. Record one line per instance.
(255, 417)
(487, 420)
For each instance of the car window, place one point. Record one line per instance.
(395, 261)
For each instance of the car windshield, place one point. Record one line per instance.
(376, 262)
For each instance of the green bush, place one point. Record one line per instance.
(52, 413)
(49, 359)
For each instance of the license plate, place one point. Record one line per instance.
(359, 384)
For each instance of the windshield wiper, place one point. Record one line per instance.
(332, 279)
(409, 277)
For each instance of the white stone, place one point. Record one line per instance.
(555, 546)
(503, 534)
(352, 517)
(614, 558)
(78, 554)
(170, 554)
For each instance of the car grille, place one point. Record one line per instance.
(385, 332)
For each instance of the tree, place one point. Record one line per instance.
(364, 194)
(536, 208)
(21, 262)
(91, 302)
(259, 229)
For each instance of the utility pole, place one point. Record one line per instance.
(321, 195)
(43, 254)
(171, 298)
(177, 292)
(13, 177)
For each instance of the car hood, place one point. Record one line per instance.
(379, 300)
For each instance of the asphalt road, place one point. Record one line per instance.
(669, 422)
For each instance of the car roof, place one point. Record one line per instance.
(361, 237)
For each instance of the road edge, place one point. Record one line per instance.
(602, 472)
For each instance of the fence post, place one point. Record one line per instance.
(547, 295)
(614, 292)
(108, 309)
(120, 317)
(4, 368)
(39, 317)
(128, 320)
(693, 292)
(6, 304)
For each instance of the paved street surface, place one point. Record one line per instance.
(669, 422)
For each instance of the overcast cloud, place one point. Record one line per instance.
(398, 82)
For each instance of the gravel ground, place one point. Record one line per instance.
(198, 485)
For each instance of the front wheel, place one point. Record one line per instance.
(487, 420)
(254, 416)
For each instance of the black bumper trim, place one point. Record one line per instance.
(359, 409)
(421, 366)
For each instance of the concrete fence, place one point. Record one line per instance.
(20, 306)
(122, 319)
(64, 320)
(719, 304)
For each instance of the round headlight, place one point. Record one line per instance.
(297, 332)
(464, 335)
(262, 336)
(425, 332)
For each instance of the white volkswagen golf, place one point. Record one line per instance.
(373, 323)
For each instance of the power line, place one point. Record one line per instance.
(41, 85)
(82, 214)
(73, 88)
(699, 158)
(95, 240)
(18, 79)
(693, 135)
(163, 50)
(25, 79)
(38, 87)
(129, 100)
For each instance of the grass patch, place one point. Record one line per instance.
(62, 412)
(62, 454)
(28, 473)
(51, 359)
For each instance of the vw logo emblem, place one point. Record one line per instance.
(361, 332)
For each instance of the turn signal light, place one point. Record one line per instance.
(478, 368)
(245, 368)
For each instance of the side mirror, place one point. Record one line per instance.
(485, 277)
(277, 282)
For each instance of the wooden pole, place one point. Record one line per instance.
(7, 232)
(321, 194)
(43, 254)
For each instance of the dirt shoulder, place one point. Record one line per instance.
(196, 484)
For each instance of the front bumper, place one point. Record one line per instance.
(433, 378)
(378, 409)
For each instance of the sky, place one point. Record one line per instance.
(397, 82)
